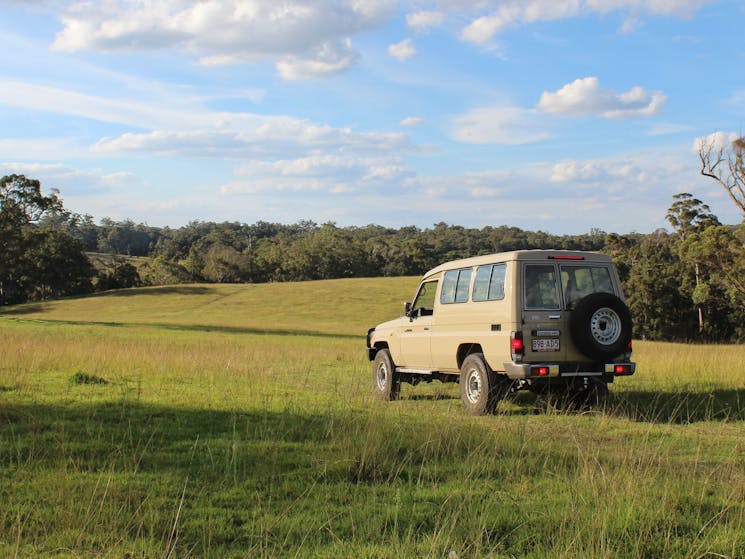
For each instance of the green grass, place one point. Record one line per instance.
(237, 421)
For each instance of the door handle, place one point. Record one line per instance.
(408, 330)
(426, 328)
(554, 316)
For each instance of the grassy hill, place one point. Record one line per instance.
(236, 421)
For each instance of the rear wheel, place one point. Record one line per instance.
(480, 388)
(386, 383)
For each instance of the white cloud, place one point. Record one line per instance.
(403, 50)
(499, 125)
(506, 15)
(53, 99)
(717, 140)
(412, 121)
(594, 171)
(501, 15)
(69, 180)
(423, 21)
(333, 174)
(259, 137)
(328, 59)
(303, 37)
(585, 96)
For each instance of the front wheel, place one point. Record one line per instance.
(386, 384)
(480, 388)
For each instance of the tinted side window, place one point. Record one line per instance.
(489, 283)
(455, 286)
(424, 304)
(580, 281)
(540, 287)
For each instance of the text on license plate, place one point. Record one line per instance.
(545, 344)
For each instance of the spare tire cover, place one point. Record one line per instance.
(601, 326)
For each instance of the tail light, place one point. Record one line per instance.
(622, 369)
(517, 347)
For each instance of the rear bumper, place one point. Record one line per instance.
(553, 370)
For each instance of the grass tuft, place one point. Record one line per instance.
(80, 377)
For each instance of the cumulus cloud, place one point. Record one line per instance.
(516, 125)
(716, 141)
(632, 175)
(501, 15)
(328, 59)
(403, 50)
(499, 125)
(594, 171)
(585, 96)
(423, 21)
(305, 37)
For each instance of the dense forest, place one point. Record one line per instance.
(684, 284)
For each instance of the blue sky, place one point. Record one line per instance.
(541, 114)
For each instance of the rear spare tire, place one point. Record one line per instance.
(601, 326)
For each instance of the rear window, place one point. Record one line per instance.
(540, 287)
(580, 281)
(455, 286)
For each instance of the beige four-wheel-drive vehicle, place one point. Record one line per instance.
(542, 320)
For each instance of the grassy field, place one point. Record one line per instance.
(237, 421)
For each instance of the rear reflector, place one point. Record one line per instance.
(540, 371)
(622, 369)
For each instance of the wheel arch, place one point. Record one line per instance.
(376, 347)
(466, 349)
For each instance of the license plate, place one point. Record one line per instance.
(545, 344)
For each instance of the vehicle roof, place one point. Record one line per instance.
(521, 255)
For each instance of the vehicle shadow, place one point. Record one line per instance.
(677, 408)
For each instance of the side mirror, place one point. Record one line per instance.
(407, 308)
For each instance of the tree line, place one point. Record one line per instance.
(685, 284)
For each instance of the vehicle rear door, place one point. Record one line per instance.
(577, 281)
(545, 326)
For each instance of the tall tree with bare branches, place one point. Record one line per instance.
(724, 162)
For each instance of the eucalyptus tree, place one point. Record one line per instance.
(724, 162)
